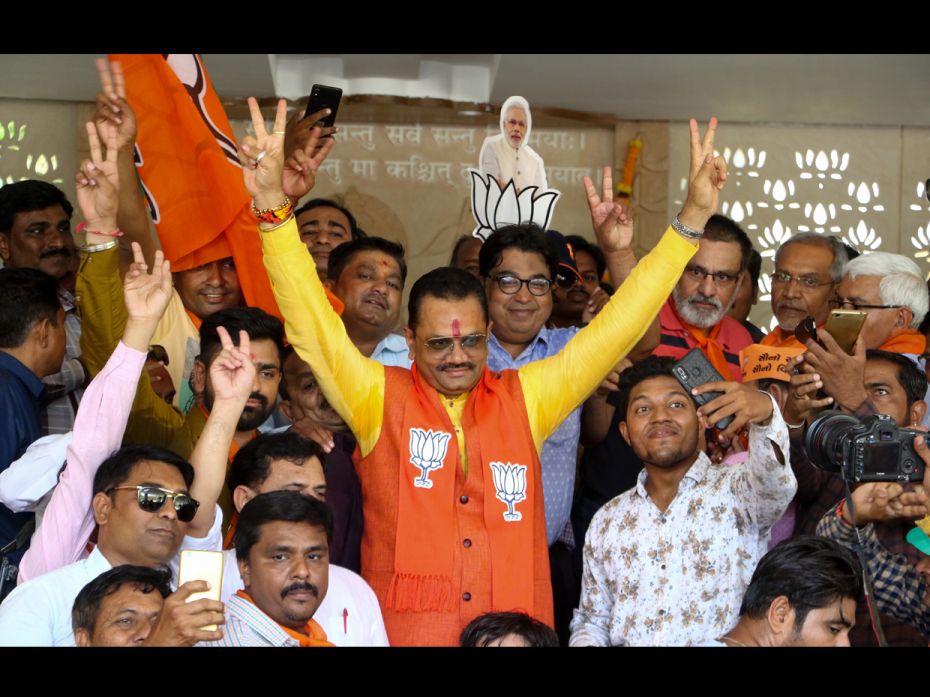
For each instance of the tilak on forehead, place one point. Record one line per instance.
(456, 328)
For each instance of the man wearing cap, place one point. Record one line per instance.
(696, 314)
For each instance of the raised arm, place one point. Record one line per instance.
(587, 358)
(352, 383)
(232, 375)
(115, 115)
(105, 310)
(103, 412)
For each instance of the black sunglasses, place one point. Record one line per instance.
(152, 498)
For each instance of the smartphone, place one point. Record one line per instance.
(198, 565)
(844, 326)
(694, 370)
(323, 97)
(807, 330)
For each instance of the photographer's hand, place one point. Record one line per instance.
(878, 501)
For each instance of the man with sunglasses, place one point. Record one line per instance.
(448, 451)
(696, 314)
(142, 500)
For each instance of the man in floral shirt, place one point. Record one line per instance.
(667, 562)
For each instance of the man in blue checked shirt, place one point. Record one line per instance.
(901, 589)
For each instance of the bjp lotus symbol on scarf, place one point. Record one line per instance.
(510, 482)
(427, 451)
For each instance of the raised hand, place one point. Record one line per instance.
(262, 157)
(744, 403)
(842, 375)
(802, 397)
(300, 168)
(599, 298)
(300, 130)
(97, 183)
(707, 177)
(232, 372)
(113, 111)
(147, 294)
(612, 223)
(180, 623)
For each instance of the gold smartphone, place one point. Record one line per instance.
(844, 326)
(201, 565)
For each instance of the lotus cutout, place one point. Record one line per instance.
(427, 451)
(494, 207)
(510, 482)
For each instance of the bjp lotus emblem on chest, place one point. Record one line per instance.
(427, 451)
(510, 482)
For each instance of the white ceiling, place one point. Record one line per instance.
(873, 90)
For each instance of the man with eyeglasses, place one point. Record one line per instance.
(520, 265)
(448, 451)
(142, 499)
(807, 269)
(696, 314)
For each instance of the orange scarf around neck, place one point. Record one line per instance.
(905, 341)
(781, 339)
(708, 344)
(426, 522)
(313, 634)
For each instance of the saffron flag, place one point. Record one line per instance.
(192, 180)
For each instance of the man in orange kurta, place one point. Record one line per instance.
(448, 452)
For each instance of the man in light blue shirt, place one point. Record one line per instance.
(368, 276)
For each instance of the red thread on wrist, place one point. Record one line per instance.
(113, 233)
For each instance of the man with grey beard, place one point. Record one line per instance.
(696, 313)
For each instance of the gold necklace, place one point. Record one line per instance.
(730, 640)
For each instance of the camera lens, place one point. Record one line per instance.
(824, 439)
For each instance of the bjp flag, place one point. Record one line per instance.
(187, 159)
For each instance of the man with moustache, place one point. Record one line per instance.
(282, 548)
(808, 268)
(324, 225)
(696, 314)
(454, 522)
(35, 233)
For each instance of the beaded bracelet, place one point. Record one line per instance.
(274, 215)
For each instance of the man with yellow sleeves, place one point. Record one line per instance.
(448, 452)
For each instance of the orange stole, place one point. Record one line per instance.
(192, 179)
(471, 583)
(778, 338)
(312, 636)
(905, 341)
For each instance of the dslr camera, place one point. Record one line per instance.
(875, 449)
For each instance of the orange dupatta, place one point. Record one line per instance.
(708, 343)
(905, 341)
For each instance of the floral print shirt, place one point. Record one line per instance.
(676, 577)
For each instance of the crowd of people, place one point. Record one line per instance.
(519, 465)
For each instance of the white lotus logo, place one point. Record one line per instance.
(510, 482)
(494, 208)
(427, 451)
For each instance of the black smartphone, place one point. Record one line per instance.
(694, 370)
(324, 97)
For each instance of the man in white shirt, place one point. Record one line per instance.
(350, 613)
(143, 510)
(667, 562)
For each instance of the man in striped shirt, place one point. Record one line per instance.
(282, 548)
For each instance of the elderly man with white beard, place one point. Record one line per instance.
(696, 313)
(507, 156)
